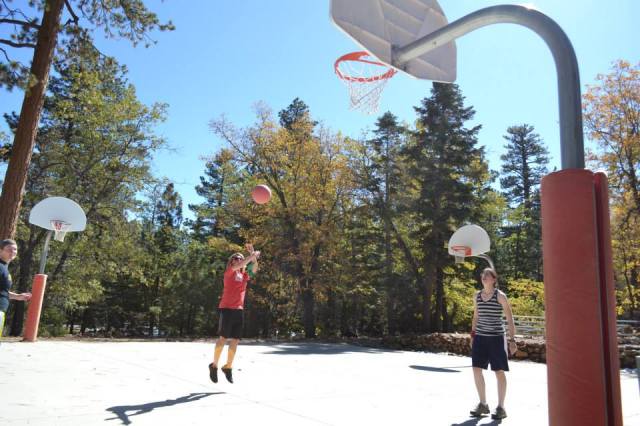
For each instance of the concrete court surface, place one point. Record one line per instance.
(64, 382)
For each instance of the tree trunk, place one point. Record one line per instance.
(152, 315)
(84, 321)
(388, 269)
(427, 292)
(24, 140)
(72, 320)
(308, 303)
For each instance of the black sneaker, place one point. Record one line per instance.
(499, 414)
(480, 410)
(213, 373)
(227, 374)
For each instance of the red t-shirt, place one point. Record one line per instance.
(235, 287)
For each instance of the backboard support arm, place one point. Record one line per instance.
(571, 136)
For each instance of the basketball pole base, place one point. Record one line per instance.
(582, 354)
(35, 306)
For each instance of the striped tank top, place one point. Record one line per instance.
(489, 316)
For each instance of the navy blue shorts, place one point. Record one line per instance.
(490, 350)
(231, 323)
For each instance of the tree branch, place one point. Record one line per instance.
(5, 54)
(18, 22)
(74, 17)
(13, 44)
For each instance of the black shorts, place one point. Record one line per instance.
(490, 350)
(231, 323)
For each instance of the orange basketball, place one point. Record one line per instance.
(261, 194)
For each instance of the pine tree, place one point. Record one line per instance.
(166, 218)
(448, 173)
(212, 218)
(523, 166)
(385, 182)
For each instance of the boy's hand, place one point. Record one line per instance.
(249, 248)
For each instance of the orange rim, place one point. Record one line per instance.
(461, 250)
(357, 57)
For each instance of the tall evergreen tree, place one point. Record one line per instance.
(296, 112)
(448, 174)
(386, 182)
(212, 217)
(165, 220)
(523, 166)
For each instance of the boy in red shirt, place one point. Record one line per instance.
(231, 309)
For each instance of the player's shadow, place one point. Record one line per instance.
(474, 421)
(123, 412)
(437, 369)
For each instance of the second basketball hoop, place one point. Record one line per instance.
(365, 77)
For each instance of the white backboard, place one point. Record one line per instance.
(379, 25)
(58, 208)
(472, 236)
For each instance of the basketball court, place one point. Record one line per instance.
(57, 382)
(72, 382)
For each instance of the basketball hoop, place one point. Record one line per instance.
(365, 77)
(460, 252)
(60, 228)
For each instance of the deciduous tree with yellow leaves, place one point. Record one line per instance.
(612, 121)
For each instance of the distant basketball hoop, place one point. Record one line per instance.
(365, 77)
(60, 228)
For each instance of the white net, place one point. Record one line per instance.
(60, 229)
(365, 78)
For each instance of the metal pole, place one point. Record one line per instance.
(638, 368)
(45, 251)
(571, 138)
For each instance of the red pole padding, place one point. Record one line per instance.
(578, 336)
(35, 306)
(608, 296)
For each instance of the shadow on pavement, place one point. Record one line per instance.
(437, 369)
(121, 410)
(321, 349)
(474, 421)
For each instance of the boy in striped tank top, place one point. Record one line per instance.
(489, 343)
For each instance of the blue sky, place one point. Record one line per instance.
(226, 55)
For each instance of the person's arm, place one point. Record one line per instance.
(474, 321)
(246, 261)
(19, 296)
(254, 264)
(511, 326)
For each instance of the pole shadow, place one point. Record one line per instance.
(314, 348)
(437, 369)
(121, 410)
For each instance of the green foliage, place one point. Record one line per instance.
(353, 239)
(526, 297)
(127, 19)
(612, 119)
(523, 166)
